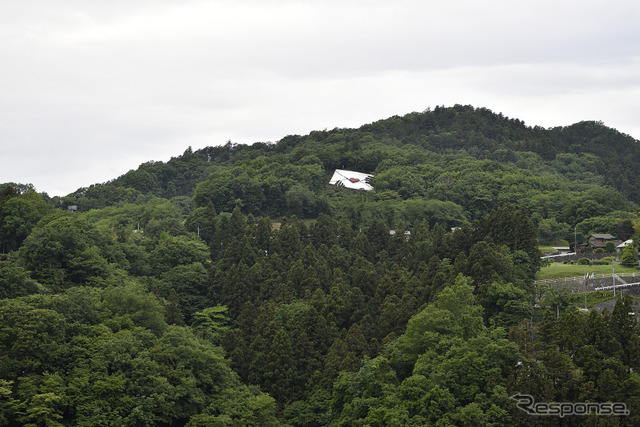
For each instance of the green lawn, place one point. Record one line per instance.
(595, 297)
(557, 270)
(592, 298)
(545, 249)
(549, 247)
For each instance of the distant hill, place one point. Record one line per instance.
(450, 164)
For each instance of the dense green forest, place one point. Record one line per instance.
(232, 286)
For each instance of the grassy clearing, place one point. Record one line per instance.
(546, 249)
(549, 247)
(592, 298)
(558, 270)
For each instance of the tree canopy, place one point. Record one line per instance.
(232, 285)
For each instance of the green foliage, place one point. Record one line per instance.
(211, 323)
(58, 369)
(202, 221)
(175, 251)
(113, 315)
(19, 213)
(130, 304)
(507, 305)
(15, 281)
(442, 368)
(190, 282)
(550, 230)
(69, 249)
(629, 256)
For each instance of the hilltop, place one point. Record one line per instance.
(450, 165)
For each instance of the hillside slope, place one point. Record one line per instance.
(450, 165)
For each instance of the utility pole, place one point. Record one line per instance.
(586, 278)
(575, 239)
(613, 274)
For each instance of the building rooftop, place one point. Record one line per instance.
(352, 180)
(602, 236)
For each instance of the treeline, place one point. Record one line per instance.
(449, 165)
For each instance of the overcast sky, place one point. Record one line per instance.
(92, 89)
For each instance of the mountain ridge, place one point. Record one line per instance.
(444, 129)
(451, 164)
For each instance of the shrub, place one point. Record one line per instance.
(584, 261)
(629, 256)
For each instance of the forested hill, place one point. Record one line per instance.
(232, 285)
(484, 134)
(586, 149)
(449, 165)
